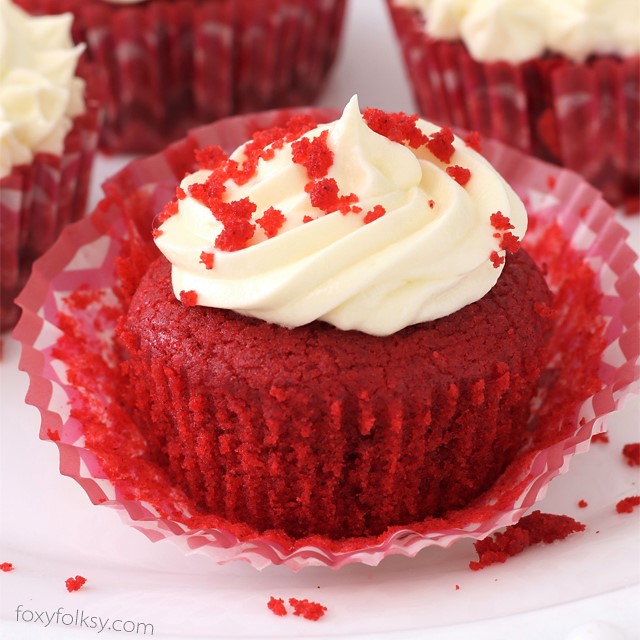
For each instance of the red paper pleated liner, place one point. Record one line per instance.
(39, 199)
(175, 64)
(74, 299)
(585, 117)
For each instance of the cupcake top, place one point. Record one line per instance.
(373, 222)
(519, 30)
(39, 93)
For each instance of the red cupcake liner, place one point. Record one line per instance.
(582, 116)
(39, 199)
(573, 232)
(174, 64)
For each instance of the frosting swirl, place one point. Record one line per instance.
(39, 93)
(416, 239)
(518, 30)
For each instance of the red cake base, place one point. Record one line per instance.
(315, 430)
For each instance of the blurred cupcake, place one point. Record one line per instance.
(173, 64)
(560, 80)
(48, 135)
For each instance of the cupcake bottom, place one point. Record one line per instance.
(314, 430)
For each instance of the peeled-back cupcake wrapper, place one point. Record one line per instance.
(584, 228)
(175, 64)
(585, 117)
(39, 199)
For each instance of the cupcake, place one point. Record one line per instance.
(255, 422)
(48, 135)
(558, 80)
(173, 64)
(342, 334)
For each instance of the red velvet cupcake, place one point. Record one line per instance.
(174, 64)
(339, 346)
(74, 305)
(49, 123)
(560, 81)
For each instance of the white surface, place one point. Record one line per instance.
(586, 587)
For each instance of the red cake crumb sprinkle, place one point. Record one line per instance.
(324, 195)
(583, 504)
(600, 437)
(74, 584)
(377, 212)
(189, 298)
(459, 174)
(314, 155)
(307, 609)
(209, 192)
(307, 219)
(53, 435)
(473, 140)
(440, 144)
(431, 203)
(510, 242)
(169, 210)
(210, 157)
(6, 567)
(627, 505)
(632, 453)
(277, 606)
(207, 259)
(180, 193)
(500, 222)
(271, 221)
(156, 233)
(496, 259)
(532, 529)
(397, 127)
(238, 226)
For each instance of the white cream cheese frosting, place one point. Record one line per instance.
(433, 251)
(519, 30)
(39, 93)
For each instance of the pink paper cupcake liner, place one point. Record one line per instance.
(573, 233)
(585, 117)
(174, 64)
(39, 199)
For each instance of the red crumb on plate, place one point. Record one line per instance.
(457, 587)
(532, 529)
(631, 452)
(583, 503)
(277, 606)
(551, 182)
(627, 505)
(53, 435)
(73, 584)
(307, 609)
(6, 567)
(600, 437)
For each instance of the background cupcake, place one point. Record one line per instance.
(173, 64)
(48, 136)
(559, 80)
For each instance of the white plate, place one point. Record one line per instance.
(584, 587)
